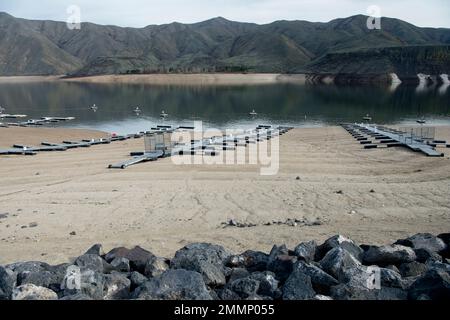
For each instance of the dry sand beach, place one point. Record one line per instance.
(372, 196)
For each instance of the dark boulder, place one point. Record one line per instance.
(156, 266)
(116, 287)
(337, 260)
(321, 281)
(268, 285)
(90, 262)
(424, 241)
(227, 294)
(207, 259)
(425, 255)
(446, 238)
(280, 262)
(386, 255)
(434, 284)
(445, 267)
(137, 280)
(306, 251)
(347, 292)
(31, 292)
(391, 278)
(236, 261)
(96, 249)
(59, 272)
(244, 287)
(298, 287)
(174, 285)
(237, 273)
(393, 268)
(137, 256)
(40, 279)
(3, 296)
(342, 242)
(255, 260)
(413, 269)
(30, 266)
(7, 283)
(121, 264)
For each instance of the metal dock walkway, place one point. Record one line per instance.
(395, 137)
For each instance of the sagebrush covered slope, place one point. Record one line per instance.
(218, 45)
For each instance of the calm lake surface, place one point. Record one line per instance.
(223, 106)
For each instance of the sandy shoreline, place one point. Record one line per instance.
(170, 79)
(162, 207)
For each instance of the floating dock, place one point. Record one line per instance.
(159, 144)
(390, 138)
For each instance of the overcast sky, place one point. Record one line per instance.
(139, 13)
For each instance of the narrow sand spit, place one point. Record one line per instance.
(372, 196)
(171, 79)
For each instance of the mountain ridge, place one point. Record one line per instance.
(44, 47)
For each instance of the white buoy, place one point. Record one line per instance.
(163, 114)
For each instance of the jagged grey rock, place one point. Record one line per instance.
(207, 259)
(90, 262)
(424, 241)
(31, 266)
(31, 292)
(337, 260)
(174, 285)
(96, 249)
(425, 255)
(137, 256)
(280, 262)
(238, 273)
(7, 282)
(40, 279)
(255, 260)
(156, 266)
(413, 269)
(236, 261)
(391, 254)
(446, 238)
(347, 292)
(306, 250)
(391, 278)
(244, 287)
(121, 264)
(321, 281)
(268, 285)
(116, 287)
(298, 287)
(227, 294)
(137, 280)
(339, 241)
(434, 284)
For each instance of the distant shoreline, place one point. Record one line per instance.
(168, 79)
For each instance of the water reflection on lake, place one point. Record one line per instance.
(224, 106)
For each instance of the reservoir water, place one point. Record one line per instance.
(223, 106)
